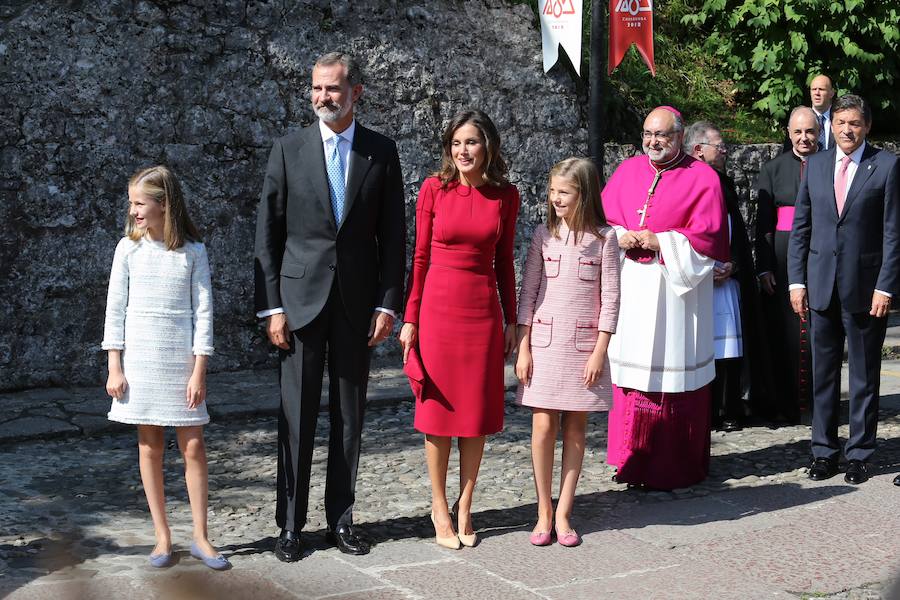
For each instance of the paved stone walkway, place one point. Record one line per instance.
(74, 523)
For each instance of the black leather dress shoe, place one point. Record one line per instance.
(347, 541)
(897, 480)
(729, 425)
(823, 468)
(288, 547)
(857, 472)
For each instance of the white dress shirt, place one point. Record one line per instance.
(329, 139)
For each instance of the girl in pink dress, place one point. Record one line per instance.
(568, 307)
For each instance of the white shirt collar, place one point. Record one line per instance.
(855, 156)
(346, 134)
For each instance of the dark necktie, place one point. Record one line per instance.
(822, 135)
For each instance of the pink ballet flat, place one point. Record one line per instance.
(568, 539)
(543, 538)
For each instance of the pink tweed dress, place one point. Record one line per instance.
(569, 293)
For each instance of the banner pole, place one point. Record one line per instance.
(597, 84)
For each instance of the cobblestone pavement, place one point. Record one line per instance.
(74, 523)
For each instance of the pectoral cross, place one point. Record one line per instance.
(643, 211)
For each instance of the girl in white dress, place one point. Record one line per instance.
(158, 332)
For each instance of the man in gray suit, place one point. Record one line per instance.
(844, 265)
(330, 257)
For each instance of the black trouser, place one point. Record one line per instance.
(726, 391)
(865, 336)
(329, 335)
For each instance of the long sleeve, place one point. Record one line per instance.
(798, 243)
(503, 258)
(392, 238)
(117, 299)
(422, 253)
(609, 284)
(765, 223)
(890, 264)
(532, 277)
(271, 232)
(201, 303)
(683, 266)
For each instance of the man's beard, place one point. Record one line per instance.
(662, 155)
(332, 113)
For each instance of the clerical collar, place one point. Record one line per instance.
(666, 165)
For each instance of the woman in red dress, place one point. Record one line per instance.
(465, 225)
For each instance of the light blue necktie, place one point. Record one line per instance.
(335, 170)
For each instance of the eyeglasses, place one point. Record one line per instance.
(720, 147)
(663, 136)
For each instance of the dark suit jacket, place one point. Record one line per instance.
(858, 251)
(299, 247)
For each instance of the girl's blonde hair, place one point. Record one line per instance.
(588, 214)
(159, 183)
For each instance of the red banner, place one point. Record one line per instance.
(630, 22)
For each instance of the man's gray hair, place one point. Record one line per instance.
(698, 133)
(800, 109)
(351, 67)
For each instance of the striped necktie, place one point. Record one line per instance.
(823, 136)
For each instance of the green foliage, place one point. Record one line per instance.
(771, 48)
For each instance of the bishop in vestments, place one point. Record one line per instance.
(669, 215)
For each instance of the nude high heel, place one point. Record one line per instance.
(451, 542)
(466, 539)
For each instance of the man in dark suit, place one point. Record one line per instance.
(330, 258)
(844, 264)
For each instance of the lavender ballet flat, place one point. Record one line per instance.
(217, 562)
(160, 561)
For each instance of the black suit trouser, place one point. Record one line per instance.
(865, 337)
(329, 336)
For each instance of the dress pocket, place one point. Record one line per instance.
(588, 269)
(541, 332)
(551, 265)
(585, 335)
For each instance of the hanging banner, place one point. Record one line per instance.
(561, 26)
(630, 22)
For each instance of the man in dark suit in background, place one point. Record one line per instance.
(821, 94)
(844, 264)
(330, 258)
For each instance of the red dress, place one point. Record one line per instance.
(464, 254)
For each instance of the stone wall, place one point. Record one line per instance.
(95, 90)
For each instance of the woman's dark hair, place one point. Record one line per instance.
(495, 169)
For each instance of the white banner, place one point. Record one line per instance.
(561, 25)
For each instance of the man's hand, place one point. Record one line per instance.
(881, 304)
(277, 329)
(767, 283)
(629, 240)
(648, 240)
(798, 301)
(721, 273)
(381, 327)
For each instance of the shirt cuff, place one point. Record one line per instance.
(888, 294)
(760, 275)
(268, 313)
(797, 286)
(386, 310)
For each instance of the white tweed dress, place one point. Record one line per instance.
(159, 313)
